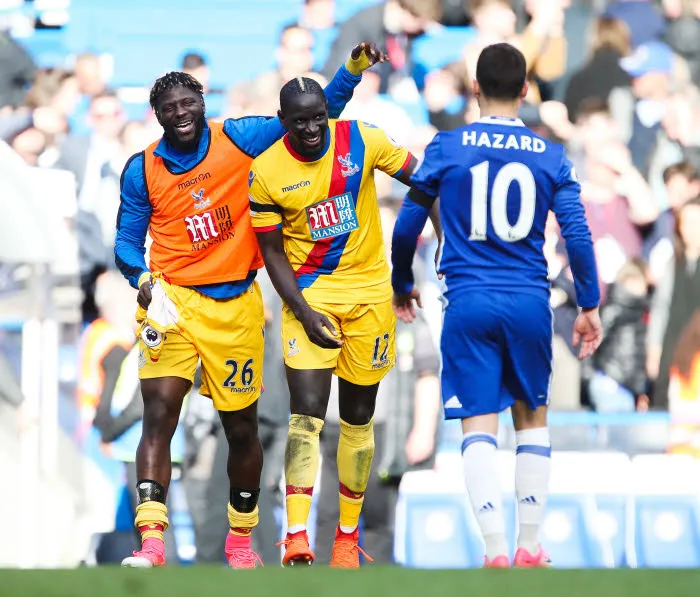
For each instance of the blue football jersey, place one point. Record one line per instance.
(497, 181)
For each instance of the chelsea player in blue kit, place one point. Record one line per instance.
(497, 182)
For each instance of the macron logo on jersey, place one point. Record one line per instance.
(294, 187)
(501, 141)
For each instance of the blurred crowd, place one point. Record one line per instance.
(617, 82)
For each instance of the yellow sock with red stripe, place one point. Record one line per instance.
(242, 523)
(301, 459)
(355, 454)
(151, 520)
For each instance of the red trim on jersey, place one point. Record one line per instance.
(295, 154)
(405, 164)
(337, 187)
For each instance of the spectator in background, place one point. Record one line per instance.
(684, 392)
(88, 158)
(676, 298)
(16, 71)
(194, 64)
(90, 75)
(393, 25)
(682, 185)
(113, 329)
(640, 111)
(294, 54)
(317, 15)
(602, 73)
(683, 32)
(445, 95)
(367, 105)
(29, 144)
(542, 42)
(618, 382)
(133, 138)
(642, 18)
(92, 82)
(619, 205)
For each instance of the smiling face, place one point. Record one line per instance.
(180, 111)
(305, 116)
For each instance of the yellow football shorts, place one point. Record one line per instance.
(369, 342)
(227, 335)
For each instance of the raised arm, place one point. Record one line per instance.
(132, 222)
(255, 134)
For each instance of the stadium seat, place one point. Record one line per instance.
(434, 527)
(47, 47)
(570, 531)
(142, 50)
(666, 511)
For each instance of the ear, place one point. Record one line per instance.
(476, 90)
(524, 90)
(280, 115)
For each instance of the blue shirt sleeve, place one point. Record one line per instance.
(574, 227)
(255, 134)
(409, 224)
(133, 220)
(426, 176)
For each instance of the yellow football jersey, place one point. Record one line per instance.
(328, 211)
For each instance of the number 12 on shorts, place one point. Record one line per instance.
(246, 373)
(381, 347)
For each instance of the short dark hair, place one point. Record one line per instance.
(501, 71)
(685, 169)
(192, 60)
(297, 87)
(174, 79)
(591, 106)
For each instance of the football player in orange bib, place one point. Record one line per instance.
(314, 207)
(189, 191)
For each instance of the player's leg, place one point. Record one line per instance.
(164, 385)
(367, 355)
(232, 376)
(354, 459)
(244, 466)
(527, 375)
(471, 390)
(309, 372)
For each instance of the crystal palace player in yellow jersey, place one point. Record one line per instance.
(314, 208)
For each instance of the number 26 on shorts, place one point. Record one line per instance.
(243, 374)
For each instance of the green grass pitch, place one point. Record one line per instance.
(368, 582)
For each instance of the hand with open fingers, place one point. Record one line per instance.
(314, 324)
(403, 305)
(588, 332)
(144, 296)
(363, 56)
